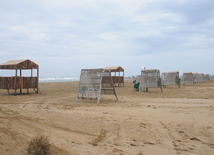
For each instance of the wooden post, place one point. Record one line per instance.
(115, 78)
(37, 80)
(15, 82)
(101, 81)
(119, 79)
(21, 80)
(7, 87)
(27, 82)
(123, 79)
(113, 87)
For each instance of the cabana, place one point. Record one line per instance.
(93, 83)
(198, 77)
(149, 78)
(188, 78)
(211, 77)
(206, 77)
(170, 79)
(117, 75)
(18, 81)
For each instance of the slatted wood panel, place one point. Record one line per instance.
(19, 64)
(198, 78)
(18, 82)
(118, 80)
(117, 74)
(206, 77)
(188, 78)
(211, 77)
(150, 78)
(94, 82)
(170, 79)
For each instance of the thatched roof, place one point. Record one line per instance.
(19, 64)
(171, 72)
(150, 70)
(187, 73)
(115, 69)
(198, 73)
(174, 72)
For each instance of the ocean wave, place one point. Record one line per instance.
(57, 79)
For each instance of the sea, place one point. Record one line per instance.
(64, 79)
(58, 79)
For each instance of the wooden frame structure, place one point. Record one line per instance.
(198, 77)
(170, 79)
(149, 78)
(188, 78)
(206, 77)
(93, 83)
(211, 77)
(117, 78)
(20, 82)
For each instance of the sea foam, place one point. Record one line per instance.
(57, 79)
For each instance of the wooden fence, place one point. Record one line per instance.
(18, 82)
(118, 80)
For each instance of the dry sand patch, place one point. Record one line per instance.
(177, 121)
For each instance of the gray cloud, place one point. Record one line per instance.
(94, 33)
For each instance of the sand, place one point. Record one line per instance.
(176, 121)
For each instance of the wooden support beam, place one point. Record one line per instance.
(15, 82)
(37, 80)
(100, 89)
(123, 80)
(20, 84)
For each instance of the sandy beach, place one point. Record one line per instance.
(177, 121)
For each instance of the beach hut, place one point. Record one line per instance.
(211, 77)
(188, 78)
(149, 78)
(93, 83)
(117, 75)
(18, 81)
(170, 79)
(206, 77)
(198, 77)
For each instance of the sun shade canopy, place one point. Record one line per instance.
(115, 69)
(19, 64)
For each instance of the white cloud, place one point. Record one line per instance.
(108, 36)
(68, 3)
(200, 41)
(130, 33)
(31, 30)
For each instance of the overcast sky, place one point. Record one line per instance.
(64, 36)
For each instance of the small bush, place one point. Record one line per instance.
(39, 146)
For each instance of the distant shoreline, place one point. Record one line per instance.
(58, 79)
(65, 79)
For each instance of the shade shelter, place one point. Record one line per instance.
(117, 75)
(198, 77)
(149, 78)
(18, 81)
(93, 83)
(188, 78)
(206, 77)
(211, 77)
(170, 79)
